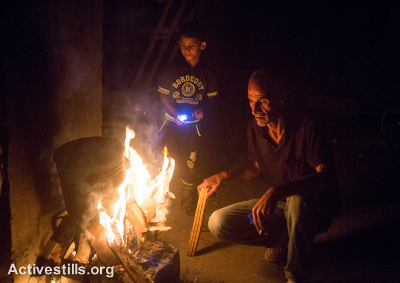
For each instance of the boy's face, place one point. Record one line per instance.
(191, 49)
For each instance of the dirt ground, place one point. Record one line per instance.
(217, 261)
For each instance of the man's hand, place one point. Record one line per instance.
(263, 210)
(199, 114)
(213, 181)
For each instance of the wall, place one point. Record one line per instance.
(53, 87)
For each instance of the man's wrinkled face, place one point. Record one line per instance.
(263, 109)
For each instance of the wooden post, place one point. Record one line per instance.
(198, 221)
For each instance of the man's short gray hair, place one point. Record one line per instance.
(272, 82)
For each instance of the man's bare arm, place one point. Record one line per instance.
(246, 173)
(322, 179)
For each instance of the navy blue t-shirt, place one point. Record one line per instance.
(188, 88)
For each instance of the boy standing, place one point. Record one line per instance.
(187, 89)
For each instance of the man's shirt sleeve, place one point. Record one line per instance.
(318, 147)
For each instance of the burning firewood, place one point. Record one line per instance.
(98, 240)
(138, 219)
(198, 221)
(59, 242)
(84, 250)
(150, 207)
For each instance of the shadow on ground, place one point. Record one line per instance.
(368, 256)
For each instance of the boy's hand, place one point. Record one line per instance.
(177, 121)
(199, 114)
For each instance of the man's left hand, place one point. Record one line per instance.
(263, 211)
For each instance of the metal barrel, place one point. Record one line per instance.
(90, 169)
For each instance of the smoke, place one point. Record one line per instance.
(146, 117)
(164, 208)
(105, 192)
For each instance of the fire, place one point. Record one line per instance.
(141, 198)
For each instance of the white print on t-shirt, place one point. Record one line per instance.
(188, 78)
(187, 89)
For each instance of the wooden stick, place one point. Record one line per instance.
(198, 221)
(195, 229)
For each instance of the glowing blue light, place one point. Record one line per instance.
(251, 218)
(182, 117)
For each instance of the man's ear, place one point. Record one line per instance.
(203, 45)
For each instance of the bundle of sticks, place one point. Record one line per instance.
(198, 221)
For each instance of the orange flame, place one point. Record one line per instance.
(139, 188)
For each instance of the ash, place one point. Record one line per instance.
(156, 260)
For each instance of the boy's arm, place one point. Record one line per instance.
(200, 113)
(211, 96)
(167, 104)
(164, 99)
(210, 104)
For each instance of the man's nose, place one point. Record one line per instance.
(255, 107)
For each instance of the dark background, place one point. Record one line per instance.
(338, 57)
(337, 49)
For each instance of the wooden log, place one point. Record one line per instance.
(138, 219)
(149, 207)
(59, 242)
(99, 243)
(84, 250)
(198, 221)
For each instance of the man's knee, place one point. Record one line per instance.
(298, 210)
(215, 223)
(294, 207)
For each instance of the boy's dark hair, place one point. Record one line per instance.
(192, 30)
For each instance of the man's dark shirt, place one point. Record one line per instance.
(301, 149)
